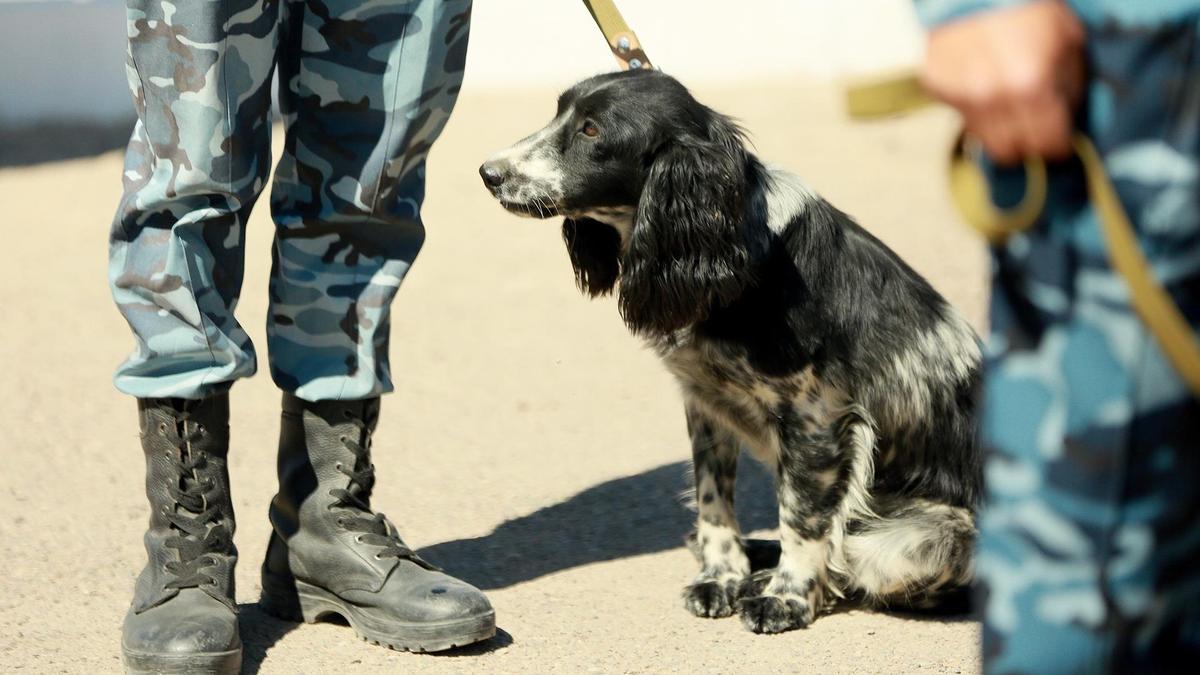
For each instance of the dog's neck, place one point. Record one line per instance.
(790, 195)
(620, 218)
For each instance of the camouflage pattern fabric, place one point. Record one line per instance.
(1089, 554)
(365, 88)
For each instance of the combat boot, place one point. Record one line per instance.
(183, 617)
(331, 554)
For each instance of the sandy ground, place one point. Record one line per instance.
(533, 447)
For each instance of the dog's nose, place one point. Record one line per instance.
(491, 175)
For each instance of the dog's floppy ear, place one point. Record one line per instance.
(595, 251)
(688, 248)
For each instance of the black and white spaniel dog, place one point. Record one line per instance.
(793, 332)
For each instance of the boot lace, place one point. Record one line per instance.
(376, 529)
(197, 542)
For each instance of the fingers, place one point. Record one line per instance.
(1015, 75)
(994, 129)
(1022, 128)
(1072, 28)
(1044, 128)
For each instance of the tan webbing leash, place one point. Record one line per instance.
(1157, 310)
(969, 188)
(620, 37)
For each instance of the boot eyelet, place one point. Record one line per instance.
(162, 428)
(348, 414)
(338, 466)
(378, 557)
(343, 438)
(358, 539)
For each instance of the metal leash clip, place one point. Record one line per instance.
(621, 38)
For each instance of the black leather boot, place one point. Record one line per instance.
(331, 554)
(183, 618)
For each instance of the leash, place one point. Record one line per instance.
(969, 188)
(620, 37)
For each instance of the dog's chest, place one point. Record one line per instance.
(720, 380)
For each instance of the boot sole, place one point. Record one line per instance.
(214, 663)
(299, 601)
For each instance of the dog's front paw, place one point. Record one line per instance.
(754, 585)
(770, 602)
(710, 598)
(775, 614)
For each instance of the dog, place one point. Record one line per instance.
(793, 333)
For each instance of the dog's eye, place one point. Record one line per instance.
(589, 129)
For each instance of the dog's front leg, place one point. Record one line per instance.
(811, 484)
(724, 565)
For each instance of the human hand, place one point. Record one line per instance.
(1015, 74)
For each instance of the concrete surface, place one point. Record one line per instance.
(533, 446)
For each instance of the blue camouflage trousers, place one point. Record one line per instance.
(1089, 551)
(365, 89)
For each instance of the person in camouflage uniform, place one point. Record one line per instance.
(1089, 551)
(365, 89)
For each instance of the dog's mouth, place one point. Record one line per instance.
(537, 208)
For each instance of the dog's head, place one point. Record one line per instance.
(652, 185)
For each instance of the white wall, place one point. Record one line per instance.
(64, 60)
(535, 41)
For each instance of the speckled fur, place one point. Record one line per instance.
(793, 333)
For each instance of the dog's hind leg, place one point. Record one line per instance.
(913, 555)
(723, 562)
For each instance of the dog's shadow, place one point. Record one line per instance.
(629, 516)
(644, 513)
(623, 517)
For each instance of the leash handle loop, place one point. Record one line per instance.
(972, 195)
(969, 188)
(620, 37)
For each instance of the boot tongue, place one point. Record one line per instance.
(200, 528)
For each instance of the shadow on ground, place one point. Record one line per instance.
(629, 516)
(260, 631)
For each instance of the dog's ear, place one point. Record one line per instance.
(595, 251)
(688, 249)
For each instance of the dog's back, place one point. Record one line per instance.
(832, 300)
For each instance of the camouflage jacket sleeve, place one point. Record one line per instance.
(1131, 13)
(936, 12)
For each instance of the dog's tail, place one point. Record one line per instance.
(915, 555)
